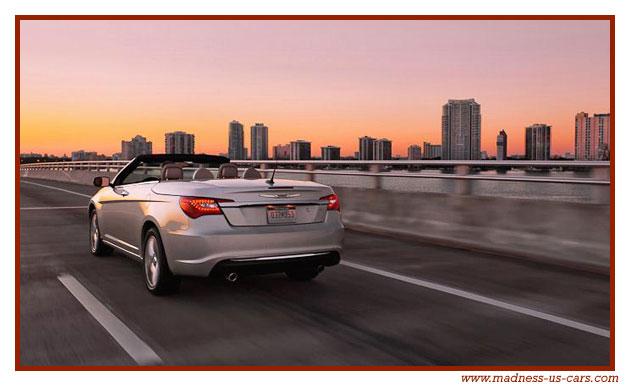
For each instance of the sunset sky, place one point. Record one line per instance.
(90, 84)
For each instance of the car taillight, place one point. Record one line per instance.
(333, 202)
(197, 206)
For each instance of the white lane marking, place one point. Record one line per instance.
(130, 342)
(482, 299)
(52, 207)
(55, 188)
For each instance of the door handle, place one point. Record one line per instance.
(121, 191)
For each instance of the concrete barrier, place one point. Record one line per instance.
(562, 233)
(83, 177)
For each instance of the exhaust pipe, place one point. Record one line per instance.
(231, 277)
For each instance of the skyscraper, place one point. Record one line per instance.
(414, 152)
(330, 153)
(179, 142)
(461, 129)
(137, 146)
(282, 151)
(382, 149)
(538, 142)
(82, 155)
(366, 148)
(592, 136)
(431, 151)
(502, 146)
(235, 141)
(300, 150)
(259, 136)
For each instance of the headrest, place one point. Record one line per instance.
(171, 172)
(252, 174)
(203, 174)
(228, 170)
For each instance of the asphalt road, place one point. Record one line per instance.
(395, 302)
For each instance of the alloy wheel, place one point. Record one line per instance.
(151, 262)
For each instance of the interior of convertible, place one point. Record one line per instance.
(172, 171)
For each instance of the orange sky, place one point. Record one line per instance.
(90, 84)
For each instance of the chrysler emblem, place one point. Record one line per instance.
(279, 195)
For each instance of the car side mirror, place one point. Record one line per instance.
(100, 182)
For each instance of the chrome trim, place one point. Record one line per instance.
(265, 203)
(121, 242)
(280, 195)
(123, 249)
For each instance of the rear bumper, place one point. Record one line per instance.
(196, 250)
(275, 264)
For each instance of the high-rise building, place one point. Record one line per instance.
(236, 141)
(502, 146)
(461, 129)
(366, 148)
(538, 142)
(260, 141)
(592, 136)
(431, 151)
(414, 152)
(30, 155)
(137, 146)
(179, 142)
(82, 155)
(300, 150)
(330, 153)
(282, 152)
(382, 149)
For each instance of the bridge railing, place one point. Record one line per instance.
(513, 210)
(453, 170)
(108, 166)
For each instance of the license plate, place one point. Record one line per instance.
(280, 215)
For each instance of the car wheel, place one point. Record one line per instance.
(97, 247)
(304, 273)
(157, 276)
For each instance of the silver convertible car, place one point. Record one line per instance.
(173, 214)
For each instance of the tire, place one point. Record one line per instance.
(304, 273)
(158, 278)
(97, 246)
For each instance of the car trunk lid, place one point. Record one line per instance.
(256, 202)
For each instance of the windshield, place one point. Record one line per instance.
(149, 167)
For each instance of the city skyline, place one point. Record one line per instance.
(537, 143)
(387, 78)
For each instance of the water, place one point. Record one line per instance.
(508, 189)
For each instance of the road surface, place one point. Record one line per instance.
(392, 302)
